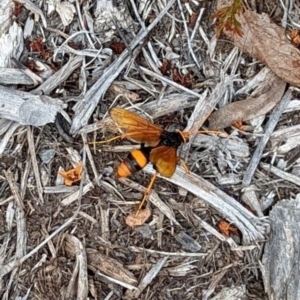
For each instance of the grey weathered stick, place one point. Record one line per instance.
(274, 117)
(60, 76)
(5, 139)
(35, 164)
(14, 188)
(150, 276)
(28, 109)
(252, 227)
(187, 34)
(284, 175)
(86, 106)
(168, 81)
(14, 76)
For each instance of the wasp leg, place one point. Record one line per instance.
(183, 164)
(146, 193)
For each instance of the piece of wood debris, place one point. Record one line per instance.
(285, 139)
(214, 283)
(35, 167)
(176, 254)
(181, 270)
(280, 263)
(282, 174)
(109, 266)
(34, 9)
(250, 198)
(78, 284)
(252, 227)
(85, 107)
(75, 196)
(28, 109)
(187, 242)
(59, 77)
(270, 126)
(232, 293)
(150, 276)
(15, 76)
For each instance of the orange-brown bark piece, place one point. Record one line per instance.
(72, 176)
(226, 228)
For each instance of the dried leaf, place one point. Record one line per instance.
(17, 9)
(266, 96)
(226, 228)
(193, 20)
(138, 218)
(227, 18)
(165, 67)
(72, 176)
(267, 42)
(238, 124)
(185, 80)
(295, 37)
(117, 47)
(38, 45)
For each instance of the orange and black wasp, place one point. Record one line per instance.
(158, 146)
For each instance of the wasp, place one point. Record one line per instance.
(158, 146)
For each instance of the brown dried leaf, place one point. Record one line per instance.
(18, 8)
(165, 66)
(267, 42)
(193, 20)
(186, 80)
(117, 47)
(38, 45)
(269, 94)
(138, 218)
(73, 175)
(238, 124)
(227, 18)
(295, 37)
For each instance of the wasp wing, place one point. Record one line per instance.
(135, 127)
(164, 159)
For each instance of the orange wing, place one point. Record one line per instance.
(135, 127)
(164, 159)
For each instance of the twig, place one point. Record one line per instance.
(35, 164)
(150, 276)
(284, 175)
(86, 106)
(179, 254)
(187, 34)
(270, 126)
(253, 228)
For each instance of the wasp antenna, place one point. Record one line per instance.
(106, 141)
(185, 135)
(210, 131)
(183, 164)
